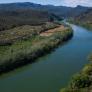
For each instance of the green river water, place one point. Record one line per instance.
(54, 71)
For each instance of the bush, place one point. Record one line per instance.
(87, 69)
(80, 81)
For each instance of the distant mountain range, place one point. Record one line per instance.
(17, 14)
(58, 10)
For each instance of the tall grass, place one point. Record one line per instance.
(23, 52)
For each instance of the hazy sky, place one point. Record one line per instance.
(55, 2)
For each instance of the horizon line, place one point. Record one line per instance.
(44, 4)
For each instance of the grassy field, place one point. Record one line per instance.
(26, 51)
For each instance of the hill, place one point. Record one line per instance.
(18, 14)
(86, 16)
(85, 19)
(10, 18)
(77, 11)
(58, 10)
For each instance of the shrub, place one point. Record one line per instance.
(80, 81)
(87, 69)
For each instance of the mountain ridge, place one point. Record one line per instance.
(63, 11)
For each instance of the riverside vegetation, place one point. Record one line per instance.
(87, 25)
(30, 45)
(81, 82)
(20, 39)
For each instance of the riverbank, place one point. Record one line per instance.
(87, 25)
(27, 51)
(81, 82)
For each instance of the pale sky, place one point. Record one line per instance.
(72, 3)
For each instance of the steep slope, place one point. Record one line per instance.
(12, 18)
(85, 19)
(86, 16)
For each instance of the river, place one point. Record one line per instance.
(52, 72)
